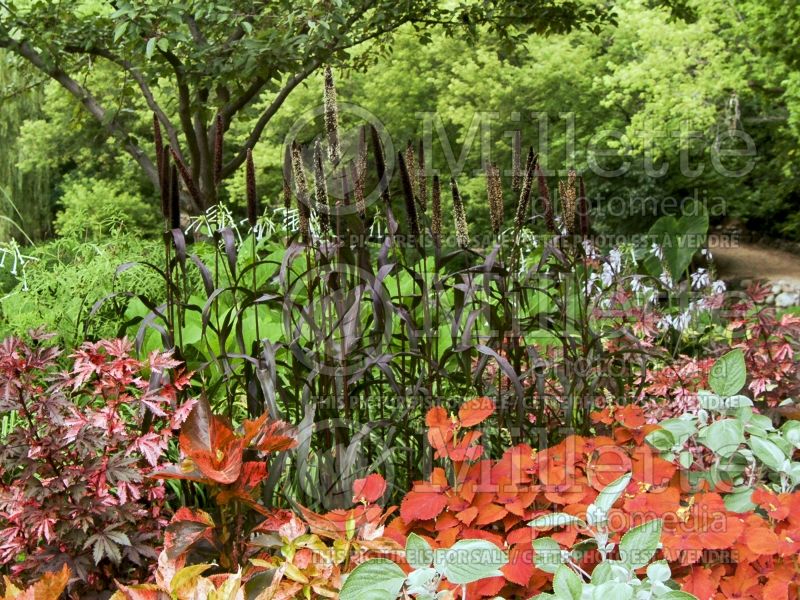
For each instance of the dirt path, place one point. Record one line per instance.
(750, 261)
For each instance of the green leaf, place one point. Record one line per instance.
(151, 48)
(638, 546)
(679, 239)
(613, 590)
(659, 571)
(548, 554)
(611, 493)
(740, 502)
(723, 437)
(567, 585)
(728, 374)
(376, 579)
(555, 520)
(661, 440)
(678, 595)
(791, 432)
(418, 552)
(472, 560)
(767, 452)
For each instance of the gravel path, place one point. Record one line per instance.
(749, 261)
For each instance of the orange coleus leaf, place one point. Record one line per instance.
(490, 513)
(520, 566)
(777, 507)
(421, 506)
(607, 464)
(468, 515)
(631, 416)
(485, 588)
(369, 489)
(475, 411)
(276, 436)
(743, 584)
(761, 540)
(702, 582)
(211, 445)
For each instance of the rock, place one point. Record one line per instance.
(769, 299)
(786, 299)
(745, 283)
(777, 288)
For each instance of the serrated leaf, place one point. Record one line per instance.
(611, 493)
(567, 584)
(548, 554)
(728, 374)
(375, 579)
(472, 560)
(767, 452)
(638, 545)
(723, 437)
(418, 552)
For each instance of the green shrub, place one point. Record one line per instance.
(93, 208)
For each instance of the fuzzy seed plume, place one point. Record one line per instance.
(302, 193)
(411, 164)
(459, 216)
(544, 198)
(321, 205)
(250, 184)
(331, 117)
(287, 178)
(422, 180)
(525, 192)
(569, 205)
(436, 211)
(516, 158)
(359, 172)
(408, 195)
(219, 132)
(494, 190)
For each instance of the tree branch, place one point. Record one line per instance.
(265, 117)
(147, 93)
(89, 102)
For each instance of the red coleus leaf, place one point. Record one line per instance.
(187, 527)
(369, 489)
(270, 436)
(475, 411)
(211, 445)
(422, 506)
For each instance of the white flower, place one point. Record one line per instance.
(666, 279)
(700, 279)
(718, 287)
(657, 251)
(636, 283)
